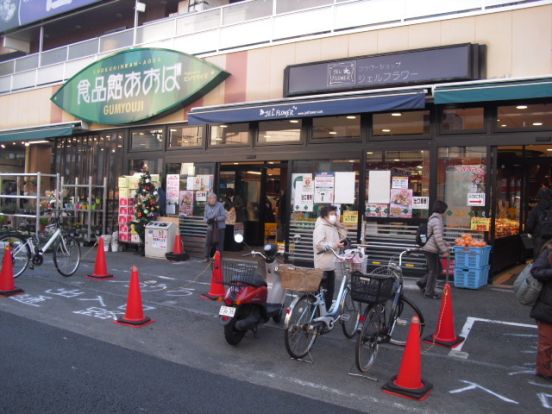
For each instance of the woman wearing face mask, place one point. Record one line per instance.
(328, 234)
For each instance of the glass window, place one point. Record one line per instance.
(401, 186)
(509, 177)
(147, 139)
(185, 136)
(462, 119)
(231, 134)
(462, 171)
(154, 166)
(195, 179)
(277, 132)
(524, 116)
(330, 127)
(401, 123)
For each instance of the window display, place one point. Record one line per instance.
(397, 184)
(462, 173)
(195, 181)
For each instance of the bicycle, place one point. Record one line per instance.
(382, 289)
(307, 316)
(27, 249)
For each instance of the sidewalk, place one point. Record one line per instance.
(491, 373)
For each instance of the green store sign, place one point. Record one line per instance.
(137, 84)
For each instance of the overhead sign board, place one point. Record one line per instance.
(137, 84)
(413, 67)
(15, 13)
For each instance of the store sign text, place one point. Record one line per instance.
(137, 84)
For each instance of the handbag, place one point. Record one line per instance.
(526, 288)
(527, 241)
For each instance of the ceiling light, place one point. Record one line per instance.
(396, 160)
(351, 117)
(173, 130)
(332, 133)
(370, 153)
(254, 172)
(420, 167)
(294, 121)
(549, 149)
(236, 163)
(503, 125)
(521, 107)
(385, 130)
(271, 162)
(223, 126)
(351, 161)
(537, 123)
(396, 114)
(3, 146)
(42, 141)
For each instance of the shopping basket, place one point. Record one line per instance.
(300, 279)
(375, 287)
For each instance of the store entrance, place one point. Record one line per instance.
(253, 193)
(522, 171)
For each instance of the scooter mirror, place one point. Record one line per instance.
(238, 238)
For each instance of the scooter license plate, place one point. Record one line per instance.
(227, 311)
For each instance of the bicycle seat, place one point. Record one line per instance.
(255, 281)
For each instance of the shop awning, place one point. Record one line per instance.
(493, 91)
(39, 133)
(300, 108)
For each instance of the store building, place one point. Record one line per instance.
(379, 109)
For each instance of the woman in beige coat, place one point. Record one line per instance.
(328, 234)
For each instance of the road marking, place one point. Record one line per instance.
(544, 399)
(470, 320)
(474, 386)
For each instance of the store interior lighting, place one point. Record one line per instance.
(521, 107)
(351, 117)
(396, 114)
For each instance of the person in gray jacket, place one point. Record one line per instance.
(434, 246)
(215, 217)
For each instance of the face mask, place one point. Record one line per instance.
(332, 219)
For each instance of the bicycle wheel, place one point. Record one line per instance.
(300, 334)
(368, 340)
(350, 315)
(67, 256)
(400, 324)
(20, 251)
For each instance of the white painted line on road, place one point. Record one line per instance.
(474, 386)
(165, 277)
(470, 320)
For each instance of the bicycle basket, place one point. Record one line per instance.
(232, 269)
(300, 279)
(375, 287)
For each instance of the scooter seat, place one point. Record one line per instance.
(255, 281)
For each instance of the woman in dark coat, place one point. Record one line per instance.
(534, 219)
(542, 311)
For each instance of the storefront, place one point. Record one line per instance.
(381, 136)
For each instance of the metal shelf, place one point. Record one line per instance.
(88, 212)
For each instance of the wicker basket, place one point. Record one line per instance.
(300, 279)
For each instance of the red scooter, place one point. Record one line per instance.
(252, 299)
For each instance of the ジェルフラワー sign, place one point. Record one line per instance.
(136, 85)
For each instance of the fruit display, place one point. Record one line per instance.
(467, 240)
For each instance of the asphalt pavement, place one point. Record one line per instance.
(182, 362)
(52, 370)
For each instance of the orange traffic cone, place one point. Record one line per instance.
(445, 334)
(100, 267)
(178, 254)
(7, 284)
(217, 280)
(134, 314)
(409, 382)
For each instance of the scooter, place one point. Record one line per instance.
(251, 300)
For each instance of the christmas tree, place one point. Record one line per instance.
(146, 204)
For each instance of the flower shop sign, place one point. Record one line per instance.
(137, 84)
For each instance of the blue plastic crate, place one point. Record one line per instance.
(471, 257)
(471, 278)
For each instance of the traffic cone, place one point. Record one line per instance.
(409, 382)
(134, 314)
(7, 284)
(217, 280)
(178, 254)
(100, 267)
(445, 334)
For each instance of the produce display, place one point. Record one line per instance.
(506, 227)
(466, 240)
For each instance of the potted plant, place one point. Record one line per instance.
(42, 222)
(3, 221)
